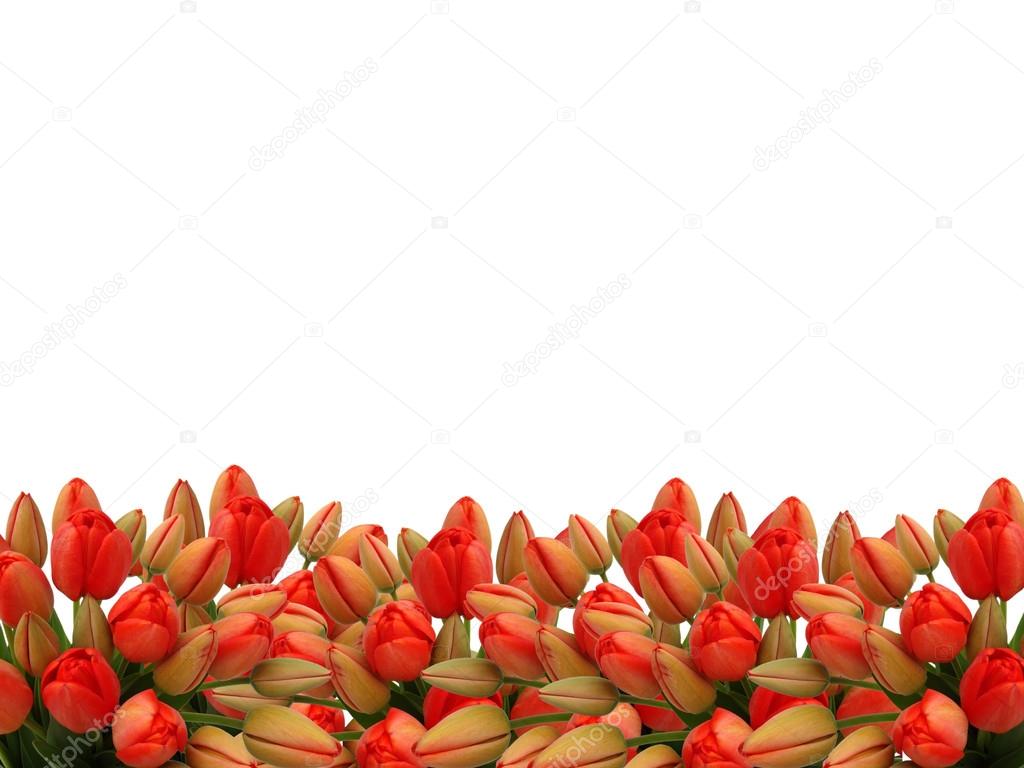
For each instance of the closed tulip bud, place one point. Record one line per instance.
(985, 555)
(724, 641)
(389, 743)
(92, 630)
(916, 545)
(589, 545)
(625, 659)
(601, 618)
(671, 590)
(265, 599)
(554, 571)
(677, 495)
(35, 644)
(873, 613)
(398, 640)
(257, 539)
(779, 563)
(508, 640)
(321, 531)
(231, 483)
(18, 698)
(728, 514)
(934, 624)
(297, 617)
(471, 677)
(835, 557)
(291, 513)
(705, 563)
(453, 562)
(485, 599)
(182, 501)
(663, 632)
(522, 752)
(894, 668)
(80, 690)
(24, 588)
(344, 589)
(144, 623)
(735, 543)
(198, 572)
(814, 599)
(289, 739)
(163, 545)
(799, 678)
(656, 756)
(680, 682)
(452, 641)
(988, 628)
(243, 639)
(589, 746)
(602, 597)
(835, 640)
(236, 700)
(75, 495)
(466, 513)
(134, 526)
(992, 690)
(593, 696)
(778, 641)
(509, 560)
(794, 514)
(559, 655)
(466, 738)
(25, 530)
(89, 556)
(354, 682)
(1003, 494)
(347, 544)
(662, 532)
(617, 526)
(881, 572)
(147, 732)
(211, 747)
(797, 736)
(716, 743)
(932, 731)
(192, 616)
(284, 677)
(868, 747)
(943, 527)
(187, 665)
(380, 563)
(409, 545)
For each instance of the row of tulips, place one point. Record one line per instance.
(433, 654)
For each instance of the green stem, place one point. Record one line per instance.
(306, 562)
(856, 683)
(521, 722)
(332, 703)
(523, 681)
(222, 683)
(35, 727)
(661, 737)
(203, 719)
(885, 717)
(347, 735)
(5, 757)
(645, 702)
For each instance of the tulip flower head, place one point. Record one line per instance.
(147, 732)
(931, 732)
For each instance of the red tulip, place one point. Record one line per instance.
(509, 640)
(258, 540)
(986, 556)
(529, 704)
(662, 532)
(24, 588)
(872, 611)
(80, 690)
(992, 690)
(677, 495)
(18, 698)
(398, 640)
(466, 513)
(779, 563)
(834, 639)
(625, 659)
(791, 513)
(90, 556)
(546, 613)
(330, 719)
(858, 702)
(147, 732)
(438, 703)
(243, 640)
(716, 743)
(145, 624)
(1004, 495)
(931, 732)
(389, 743)
(182, 501)
(934, 624)
(300, 589)
(452, 563)
(75, 495)
(764, 704)
(306, 646)
(231, 483)
(724, 641)
(604, 592)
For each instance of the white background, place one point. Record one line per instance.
(813, 328)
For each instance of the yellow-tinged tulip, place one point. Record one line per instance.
(800, 678)
(192, 616)
(321, 531)
(211, 747)
(508, 560)
(182, 501)
(35, 644)
(466, 738)
(656, 756)
(813, 599)
(735, 543)
(186, 667)
(476, 678)
(894, 668)
(289, 739)
(663, 632)
(881, 571)
(297, 617)
(466, 513)
(75, 495)
(25, 530)
(592, 696)
(452, 640)
(670, 589)
(916, 545)
(589, 746)
(91, 628)
(705, 563)
(345, 591)
(988, 628)
(485, 599)
(778, 640)
(292, 513)
(835, 556)
(617, 526)
(353, 681)
(554, 571)
(797, 736)
(163, 545)
(284, 677)
(943, 527)
(265, 599)
(589, 544)
(603, 617)
(242, 697)
(380, 563)
(133, 524)
(198, 572)
(867, 747)
(728, 514)
(409, 544)
(522, 752)
(680, 682)
(559, 654)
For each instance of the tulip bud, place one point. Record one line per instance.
(593, 696)
(916, 545)
(289, 739)
(133, 524)
(988, 628)
(146, 732)
(35, 644)
(291, 513)
(475, 678)
(800, 735)
(466, 738)
(509, 558)
(559, 654)
(1003, 494)
(680, 682)
(728, 514)
(18, 698)
(932, 731)
(881, 572)
(791, 513)
(735, 543)
(617, 526)
(486, 599)
(231, 483)
(297, 617)
(894, 668)
(353, 681)
(186, 667)
(656, 756)
(89, 556)
(80, 690)
(589, 545)
(677, 495)
(192, 616)
(236, 700)
(868, 747)
(835, 557)
(589, 746)
(91, 628)
(600, 618)
(182, 501)
(522, 752)
(409, 545)
(724, 641)
(75, 495)
(705, 563)
(144, 623)
(554, 571)
(344, 589)
(934, 623)
(625, 659)
(284, 677)
(835, 640)
(943, 528)
(243, 639)
(814, 599)
(198, 572)
(25, 530)
(799, 678)
(508, 640)
(466, 513)
(452, 641)
(379, 563)
(211, 747)
(265, 599)
(320, 533)
(672, 592)
(778, 641)
(663, 632)
(992, 689)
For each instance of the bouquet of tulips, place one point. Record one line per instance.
(747, 650)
